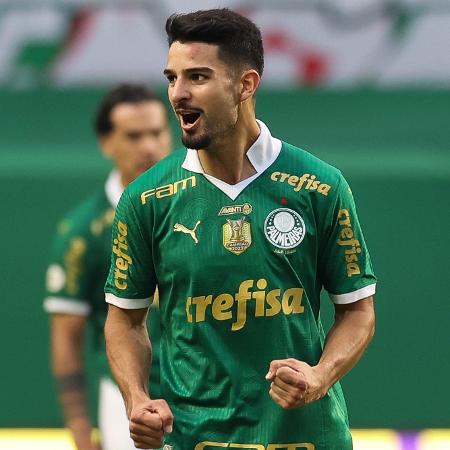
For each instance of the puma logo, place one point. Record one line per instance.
(183, 229)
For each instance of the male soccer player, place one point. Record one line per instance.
(132, 128)
(240, 231)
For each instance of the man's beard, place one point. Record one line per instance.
(202, 141)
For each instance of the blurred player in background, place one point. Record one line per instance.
(133, 131)
(240, 232)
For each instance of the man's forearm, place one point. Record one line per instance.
(346, 341)
(67, 341)
(129, 352)
(72, 396)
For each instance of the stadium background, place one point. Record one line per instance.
(363, 104)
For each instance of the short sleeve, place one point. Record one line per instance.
(345, 266)
(131, 281)
(68, 274)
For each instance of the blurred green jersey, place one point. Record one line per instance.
(79, 264)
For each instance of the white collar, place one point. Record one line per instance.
(113, 188)
(261, 154)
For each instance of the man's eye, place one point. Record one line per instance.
(198, 77)
(134, 136)
(171, 79)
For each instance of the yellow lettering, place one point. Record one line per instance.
(354, 249)
(351, 258)
(221, 306)
(74, 263)
(323, 189)
(298, 183)
(274, 303)
(353, 269)
(308, 184)
(274, 176)
(241, 298)
(121, 264)
(201, 303)
(314, 185)
(120, 285)
(226, 306)
(302, 445)
(295, 306)
(260, 297)
(188, 309)
(301, 181)
(353, 242)
(346, 233)
(293, 446)
(119, 274)
(248, 446)
(146, 194)
(344, 217)
(164, 191)
(293, 180)
(202, 445)
(184, 183)
(122, 227)
(168, 189)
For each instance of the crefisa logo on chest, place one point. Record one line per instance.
(285, 229)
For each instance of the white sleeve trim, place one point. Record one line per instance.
(128, 303)
(65, 305)
(351, 297)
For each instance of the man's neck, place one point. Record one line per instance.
(228, 160)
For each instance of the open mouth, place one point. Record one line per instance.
(189, 119)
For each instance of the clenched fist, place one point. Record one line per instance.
(295, 383)
(149, 420)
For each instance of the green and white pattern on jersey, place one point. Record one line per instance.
(240, 270)
(79, 264)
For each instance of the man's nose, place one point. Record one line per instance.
(148, 143)
(179, 91)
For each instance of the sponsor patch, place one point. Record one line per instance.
(237, 236)
(246, 209)
(284, 228)
(348, 241)
(306, 181)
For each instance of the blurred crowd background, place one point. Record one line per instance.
(364, 84)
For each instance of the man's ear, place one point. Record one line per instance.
(250, 80)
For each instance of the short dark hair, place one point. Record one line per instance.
(238, 38)
(123, 93)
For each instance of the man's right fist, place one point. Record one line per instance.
(149, 420)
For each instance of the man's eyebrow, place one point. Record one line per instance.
(199, 69)
(190, 70)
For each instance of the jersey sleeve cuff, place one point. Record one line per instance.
(128, 303)
(351, 297)
(64, 305)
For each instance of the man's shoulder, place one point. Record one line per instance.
(164, 173)
(86, 217)
(303, 162)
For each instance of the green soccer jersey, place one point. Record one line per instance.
(79, 264)
(240, 269)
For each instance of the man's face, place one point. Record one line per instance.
(203, 92)
(140, 137)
